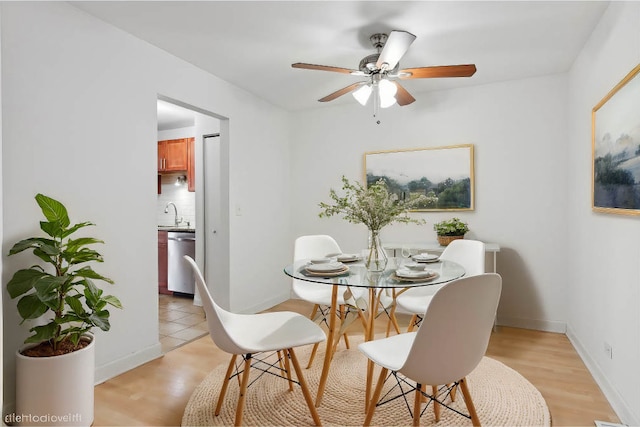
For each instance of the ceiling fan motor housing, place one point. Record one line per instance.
(368, 65)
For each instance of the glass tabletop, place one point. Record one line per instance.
(358, 276)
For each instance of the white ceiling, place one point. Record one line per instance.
(252, 44)
(171, 116)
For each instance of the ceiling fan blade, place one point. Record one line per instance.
(323, 68)
(395, 47)
(342, 91)
(402, 96)
(439, 71)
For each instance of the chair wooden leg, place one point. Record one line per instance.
(363, 320)
(393, 320)
(343, 315)
(469, 402)
(436, 405)
(314, 310)
(313, 355)
(281, 364)
(388, 327)
(416, 404)
(412, 323)
(315, 346)
(287, 369)
(305, 389)
(375, 397)
(453, 392)
(225, 383)
(243, 390)
(346, 341)
(329, 354)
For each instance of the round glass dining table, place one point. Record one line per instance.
(386, 281)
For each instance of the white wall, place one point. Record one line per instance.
(79, 103)
(518, 131)
(1, 237)
(604, 267)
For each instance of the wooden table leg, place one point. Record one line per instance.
(368, 336)
(329, 351)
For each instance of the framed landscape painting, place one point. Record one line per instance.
(443, 175)
(615, 142)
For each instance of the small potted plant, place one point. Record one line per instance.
(450, 230)
(55, 370)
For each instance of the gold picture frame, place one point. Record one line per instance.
(615, 149)
(445, 175)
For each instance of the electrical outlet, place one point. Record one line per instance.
(608, 350)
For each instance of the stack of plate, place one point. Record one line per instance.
(326, 269)
(425, 257)
(347, 257)
(414, 275)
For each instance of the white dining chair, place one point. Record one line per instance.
(349, 299)
(466, 252)
(251, 336)
(448, 346)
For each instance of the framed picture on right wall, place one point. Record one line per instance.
(615, 147)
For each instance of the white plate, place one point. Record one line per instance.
(414, 266)
(325, 268)
(348, 257)
(323, 260)
(425, 257)
(410, 274)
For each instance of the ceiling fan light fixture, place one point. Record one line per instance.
(383, 68)
(387, 91)
(362, 94)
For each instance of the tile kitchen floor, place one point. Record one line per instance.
(179, 321)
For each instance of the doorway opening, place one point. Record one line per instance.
(188, 202)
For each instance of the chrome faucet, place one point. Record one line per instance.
(176, 221)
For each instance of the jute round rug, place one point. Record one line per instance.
(502, 397)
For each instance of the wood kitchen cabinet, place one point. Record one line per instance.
(191, 164)
(163, 263)
(172, 155)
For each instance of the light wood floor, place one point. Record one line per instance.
(157, 392)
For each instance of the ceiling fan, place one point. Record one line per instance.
(383, 68)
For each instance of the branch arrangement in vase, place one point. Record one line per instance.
(375, 207)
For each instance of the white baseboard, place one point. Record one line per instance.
(265, 304)
(622, 410)
(538, 325)
(122, 365)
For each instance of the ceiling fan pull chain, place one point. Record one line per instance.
(376, 102)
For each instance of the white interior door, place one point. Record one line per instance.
(216, 250)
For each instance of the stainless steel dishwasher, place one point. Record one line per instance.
(180, 275)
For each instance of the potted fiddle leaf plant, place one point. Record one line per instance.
(59, 296)
(450, 230)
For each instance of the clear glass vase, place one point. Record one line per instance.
(376, 259)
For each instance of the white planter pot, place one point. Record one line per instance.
(56, 391)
